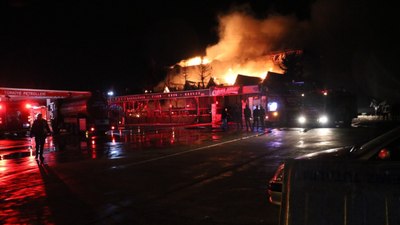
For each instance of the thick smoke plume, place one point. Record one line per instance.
(246, 46)
(350, 43)
(243, 37)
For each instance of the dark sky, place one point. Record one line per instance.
(74, 44)
(125, 45)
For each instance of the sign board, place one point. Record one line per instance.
(41, 93)
(221, 91)
(253, 89)
(180, 94)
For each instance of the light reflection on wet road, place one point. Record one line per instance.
(22, 193)
(114, 145)
(31, 194)
(23, 180)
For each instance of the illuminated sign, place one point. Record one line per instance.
(218, 91)
(18, 92)
(252, 89)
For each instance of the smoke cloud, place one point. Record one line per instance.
(246, 46)
(350, 43)
(243, 37)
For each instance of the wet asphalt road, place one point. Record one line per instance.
(169, 175)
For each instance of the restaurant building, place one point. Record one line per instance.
(183, 107)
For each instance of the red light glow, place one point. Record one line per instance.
(384, 154)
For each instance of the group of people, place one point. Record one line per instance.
(235, 114)
(258, 117)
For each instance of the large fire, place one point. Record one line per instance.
(226, 73)
(247, 46)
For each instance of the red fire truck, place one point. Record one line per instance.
(66, 111)
(15, 118)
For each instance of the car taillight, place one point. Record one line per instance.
(384, 154)
(278, 176)
(275, 184)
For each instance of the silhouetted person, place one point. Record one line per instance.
(247, 117)
(224, 117)
(262, 117)
(237, 117)
(256, 117)
(39, 130)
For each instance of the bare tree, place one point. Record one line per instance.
(205, 71)
(185, 73)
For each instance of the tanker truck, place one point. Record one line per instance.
(88, 115)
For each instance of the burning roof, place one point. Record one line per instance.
(247, 80)
(246, 46)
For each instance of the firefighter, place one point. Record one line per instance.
(40, 129)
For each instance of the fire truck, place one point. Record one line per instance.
(77, 112)
(303, 106)
(15, 118)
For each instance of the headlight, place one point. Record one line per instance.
(302, 119)
(323, 119)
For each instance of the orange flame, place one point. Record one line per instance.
(245, 48)
(195, 61)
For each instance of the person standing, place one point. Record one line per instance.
(237, 116)
(256, 117)
(225, 117)
(262, 117)
(247, 116)
(40, 129)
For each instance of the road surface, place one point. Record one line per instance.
(155, 175)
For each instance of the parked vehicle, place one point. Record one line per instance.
(301, 105)
(85, 116)
(14, 119)
(385, 147)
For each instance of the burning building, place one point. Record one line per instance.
(246, 46)
(199, 71)
(197, 89)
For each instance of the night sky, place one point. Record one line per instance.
(127, 45)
